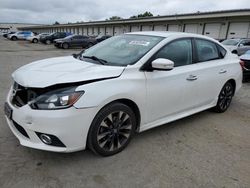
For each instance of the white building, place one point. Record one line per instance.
(14, 26)
(216, 24)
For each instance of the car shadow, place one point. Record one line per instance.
(147, 135)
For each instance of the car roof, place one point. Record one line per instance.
(167, 34)
(238, 39)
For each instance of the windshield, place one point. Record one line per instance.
(124, 49)
(70, 36)
(51, 34)
(231, 42)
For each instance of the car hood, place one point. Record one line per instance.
(230, 47)
(58, 40)
(245, 57)
(59, 70)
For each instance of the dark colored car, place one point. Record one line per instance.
(75, 41)
(9, 33)
(50, 38)
(102, 38)
(245, 64)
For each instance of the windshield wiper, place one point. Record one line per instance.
(101, 61)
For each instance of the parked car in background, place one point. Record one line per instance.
(237, 46)
(53, 36)
(75, 41)
(36, 38)
(3, 32)
(101, 38)
(20, 35)
(9, 33)
(245, 63)
(129, 83)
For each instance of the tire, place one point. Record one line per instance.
(235, 52)
(225, 98)
(112, 129)
(90, 45)
(14, 38)
(65, 45)
(47, 42)
(35, 40)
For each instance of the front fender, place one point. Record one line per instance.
(98, 94)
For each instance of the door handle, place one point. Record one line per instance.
(222, 71)
(192, 78)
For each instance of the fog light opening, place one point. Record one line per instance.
(46, 139)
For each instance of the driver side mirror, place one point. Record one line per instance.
(241, 45)
(162, 64)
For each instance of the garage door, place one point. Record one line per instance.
(191, 28)
(102, 31)
(109, 30)
(173, 27)
(75, 31)
(85, 31)
(238, 30)
(80, 31)
(160, 28)
(117, 30)
(135, 28)
(90, 31)
(212, 30)
(96, 31)
(125, 29)
(146, 28)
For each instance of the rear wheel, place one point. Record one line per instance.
(225, 98)
(35, 40)
(14, 38)
(48, 41)
(111, 129)
(65, 45)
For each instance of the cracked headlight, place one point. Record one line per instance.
(56, 99)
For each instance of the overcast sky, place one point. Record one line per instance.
(64, 11)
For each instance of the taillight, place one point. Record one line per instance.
(242, 64)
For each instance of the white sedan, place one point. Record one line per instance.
(126, 84)
(36, 38)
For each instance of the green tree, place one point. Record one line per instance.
(145, 14)
(115, 18)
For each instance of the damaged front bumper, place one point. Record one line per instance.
(68, 127)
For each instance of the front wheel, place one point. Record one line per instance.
(48, 42)
(35, 41)
(111, 129)
(225, 98)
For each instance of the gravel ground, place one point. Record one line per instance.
(204, 150)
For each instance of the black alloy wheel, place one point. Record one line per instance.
(225, 98)
(112, 129)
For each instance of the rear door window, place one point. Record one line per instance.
(206, 50)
